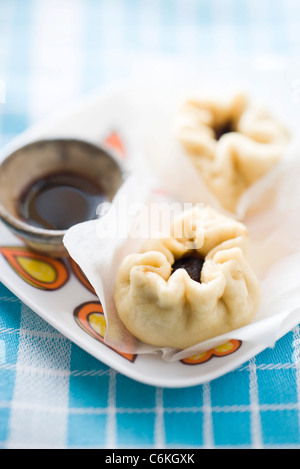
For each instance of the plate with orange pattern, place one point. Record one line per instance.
(58, 291)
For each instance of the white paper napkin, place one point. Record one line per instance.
(270, 209)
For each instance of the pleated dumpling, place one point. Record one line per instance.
(191, 286)
(232, 143)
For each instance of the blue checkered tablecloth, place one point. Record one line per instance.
(52, 393)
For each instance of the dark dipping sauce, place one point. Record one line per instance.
(192, 264)
(59, 201)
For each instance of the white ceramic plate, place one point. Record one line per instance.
(57, 291)
(54, 291)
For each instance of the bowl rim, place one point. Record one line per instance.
(27, 230)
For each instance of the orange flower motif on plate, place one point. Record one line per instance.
(115, 141)
(81, 276)
(90, 317)
(38, 270)
(221, 351)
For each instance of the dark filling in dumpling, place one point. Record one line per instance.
(192, 264)
(224, 129)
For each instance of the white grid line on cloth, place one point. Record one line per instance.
(282, 28)
(187, 32)
(235, 408)
(10, 330)
(42, 334)
(296, 357)
(54, 333)
(296, 349)
(232, 408)
(12, 300)
(293, 24)
(53, 372)
(56, 55)
(6, 10)
(49, 333)
(31, 392)
(256, 435)
(2, 352)
(149, 24)
(208, 438)
(77, 373)
(111, 426)
(17, 69)
(260, 29)
(159, 430)
(237, 446)
(111, 25)
(222, 28)
(272, 366)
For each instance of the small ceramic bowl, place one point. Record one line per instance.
(39, 159)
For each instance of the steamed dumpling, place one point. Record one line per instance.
(231, 143)
(191, 286)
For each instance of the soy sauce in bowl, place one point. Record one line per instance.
(49, 185)
(60, 200)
